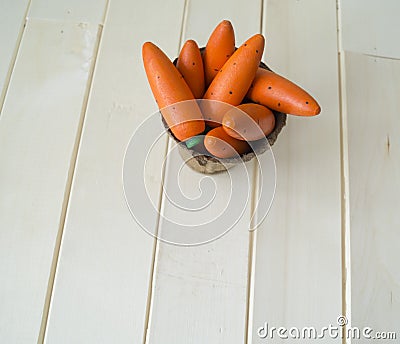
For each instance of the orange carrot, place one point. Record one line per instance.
(219, 48)
(280, 94)
(234, 79)
(190, 65)
(249, 122)
(169, 88)
(221, 145)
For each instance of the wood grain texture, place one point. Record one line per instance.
(371, 27)
(38, 128)
(101, 287)
(88, 11)
(298, 277)
(12, 20)
(201, 292)
(372, 87)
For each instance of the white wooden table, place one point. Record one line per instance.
(76, 268)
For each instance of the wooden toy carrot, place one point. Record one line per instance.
(169, 88)
(280, 94)
(190, 65)
(222, 145)
(234, 78)
(219, 48)
(249, 122)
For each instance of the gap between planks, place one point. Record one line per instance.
(68, 187)
(155, 248)
(13, 59)
(253, 233)
(345, 187)
(252, 254)
(150, 295)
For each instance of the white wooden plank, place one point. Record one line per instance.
(38, 129)
(371, 27)
(298, 277)
(12, 20)
(101, 286)
(194, 287)
(88, 11)
(372, 88)
(200, 293)
(199, 27)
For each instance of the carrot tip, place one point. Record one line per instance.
(226, 22)
(147, 44)
(191, 42)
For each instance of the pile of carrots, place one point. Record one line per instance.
(223, 75)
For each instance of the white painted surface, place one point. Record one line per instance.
(12, 19)
(371, 27)
(203, 17)
(374, 171)
(297, 276)
(38, 129)
(201, 291)
(104, 271)
(87, 11)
